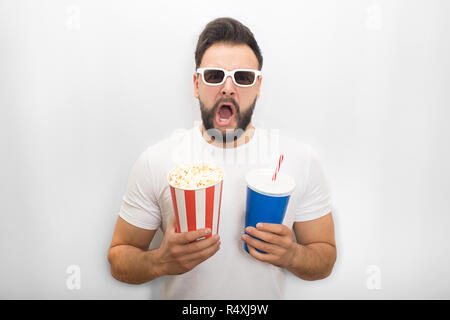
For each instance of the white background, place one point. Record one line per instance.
(86, 86)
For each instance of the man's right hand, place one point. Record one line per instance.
(179, 252)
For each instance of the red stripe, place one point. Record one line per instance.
(209, 208)
(189, 196)
(175, 208)
(220, 205)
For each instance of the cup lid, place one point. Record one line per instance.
(260, 180)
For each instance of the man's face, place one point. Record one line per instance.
(215, 99)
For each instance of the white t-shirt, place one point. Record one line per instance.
(231, 273)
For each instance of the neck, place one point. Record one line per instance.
(243, 139)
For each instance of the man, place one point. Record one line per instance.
(227, 84)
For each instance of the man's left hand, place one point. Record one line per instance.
(279, 247)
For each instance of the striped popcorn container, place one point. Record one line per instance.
(196, 204)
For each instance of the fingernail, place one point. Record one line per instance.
(259, 225)
(208, 231)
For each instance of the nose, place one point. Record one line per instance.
(228, 88)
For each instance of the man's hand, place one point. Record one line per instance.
(179, 252)
(312, 258)
(279, 247)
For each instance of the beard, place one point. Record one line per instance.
(243, 120)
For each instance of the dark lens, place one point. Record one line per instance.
(213, 76)
(244, 77)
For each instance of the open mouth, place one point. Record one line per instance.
(225, 114)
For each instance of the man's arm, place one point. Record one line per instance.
(316, 248)
(311, 258)
(132, 262)
(128, 256)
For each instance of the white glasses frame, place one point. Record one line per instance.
(229, 73)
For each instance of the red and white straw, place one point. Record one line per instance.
(277, 169)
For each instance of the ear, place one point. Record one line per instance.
(258, 88)
(196, 85)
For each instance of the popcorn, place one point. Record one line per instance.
(195, 176)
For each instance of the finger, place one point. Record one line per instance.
(200, 256)
(201, 244)
(172, 227)
(261, 245)
(258, 255)
(189, 236)
(276, 228)
(266, 236)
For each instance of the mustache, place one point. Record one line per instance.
(226, 100)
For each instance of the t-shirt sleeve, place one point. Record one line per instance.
(140, 205)
(316, 200)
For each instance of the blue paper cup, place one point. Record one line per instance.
(267, 200)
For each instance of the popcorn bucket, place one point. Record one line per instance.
(195, 206)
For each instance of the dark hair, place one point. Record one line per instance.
(226, 30)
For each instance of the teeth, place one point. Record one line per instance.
(223, 120)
